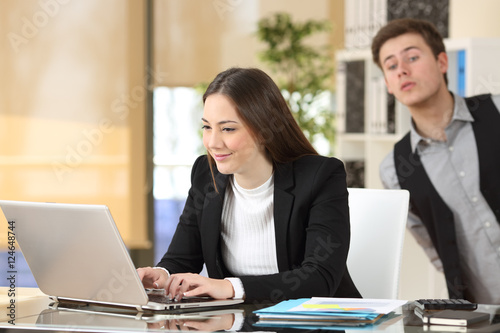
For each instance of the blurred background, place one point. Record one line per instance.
(100, 100)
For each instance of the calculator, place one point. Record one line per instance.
(445, 304)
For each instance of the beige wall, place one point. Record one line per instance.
(474, 18)
(196, 39)
(72, 106)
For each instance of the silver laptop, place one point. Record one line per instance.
(76, 253)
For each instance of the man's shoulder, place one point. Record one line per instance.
(494, 97)
(496, 101)
(388, 160)
(387, 171)
(405, 139)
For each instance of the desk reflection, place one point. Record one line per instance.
(205, 323)
(68, 316)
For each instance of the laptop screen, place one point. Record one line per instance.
(75, 251)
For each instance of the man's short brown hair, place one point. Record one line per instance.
(398, 27)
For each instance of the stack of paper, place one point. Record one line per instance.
(327, 312)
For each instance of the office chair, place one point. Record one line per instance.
(378, 220)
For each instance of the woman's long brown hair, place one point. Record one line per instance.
(264, 111)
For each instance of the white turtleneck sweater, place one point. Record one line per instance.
(247, 229)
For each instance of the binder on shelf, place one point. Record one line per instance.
(363, 34)
(355, 97)
(461, 73)
(391, 113)
(383, 106)
(373, 106)
(379, 15)
(350, 12)
(341, 97)
(363, 18)
(457, 72)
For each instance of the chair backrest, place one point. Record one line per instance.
(378, 220)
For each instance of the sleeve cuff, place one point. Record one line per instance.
(239, 319)
(166, 271)
(239, 291)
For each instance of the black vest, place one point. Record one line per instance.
(426, 203)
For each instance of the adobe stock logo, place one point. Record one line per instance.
(31, 26)
(225, 6)
(91, 138)
(115, 286)
(84, 148)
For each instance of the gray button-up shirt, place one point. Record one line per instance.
(453, 169)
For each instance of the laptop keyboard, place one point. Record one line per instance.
(163, 299)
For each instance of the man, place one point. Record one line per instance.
(449, 161)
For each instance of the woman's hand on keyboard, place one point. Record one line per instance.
(153, 277)
(187, 284)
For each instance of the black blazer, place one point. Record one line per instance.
(311, 217)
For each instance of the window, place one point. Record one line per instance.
(177, 143)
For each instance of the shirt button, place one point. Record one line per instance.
(450, 148)
(474, 199)
(487, 224)
(462, 174)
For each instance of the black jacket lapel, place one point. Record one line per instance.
(210, 227)
(283, 203)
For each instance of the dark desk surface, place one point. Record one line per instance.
(35, 312)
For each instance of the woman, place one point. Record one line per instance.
(266, 214)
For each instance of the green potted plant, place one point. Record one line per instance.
(303, 72)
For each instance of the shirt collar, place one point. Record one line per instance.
(460, 113)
